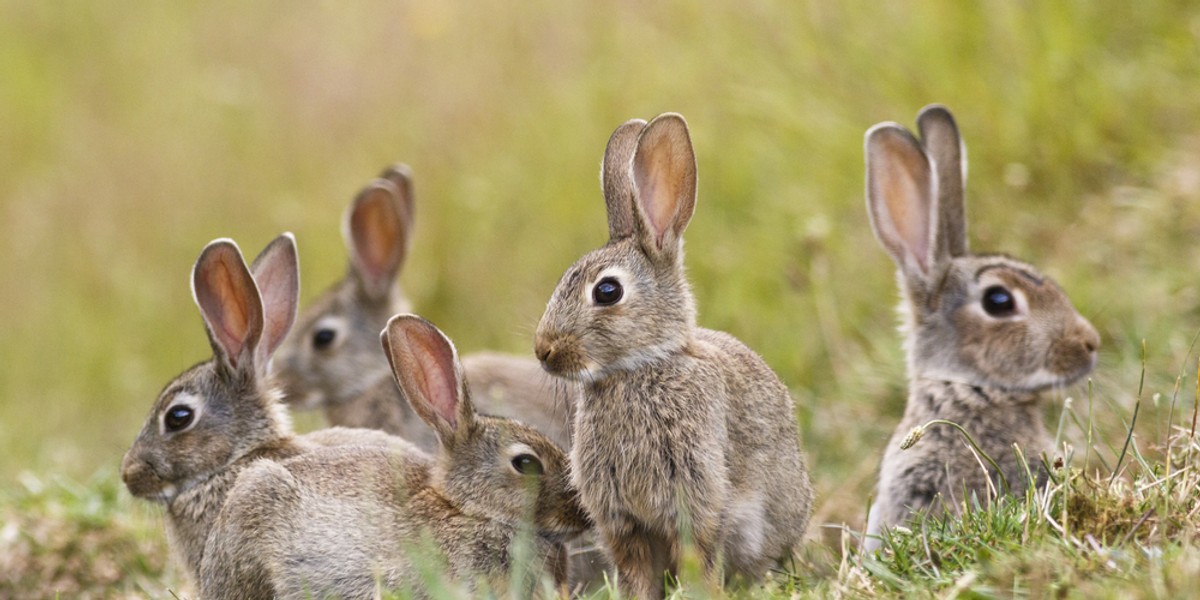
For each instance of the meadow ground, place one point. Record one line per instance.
(130, 135)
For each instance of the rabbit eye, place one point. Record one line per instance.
(999, 302)
(607, 292)
(323, 337)
(527, 464)
(178, 417)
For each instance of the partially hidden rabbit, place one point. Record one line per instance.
(985, 334)
(680, 430)
(224, 414)
(332, 361)
(345, 522)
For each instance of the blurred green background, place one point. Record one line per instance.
(133, 133)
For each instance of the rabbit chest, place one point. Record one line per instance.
(942, 462)
(650, 439)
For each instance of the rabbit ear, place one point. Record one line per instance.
(426, 367)
(276, 271)
(401, 176)
(376, 232)
(615, 179)
(664, 177)
(939, 134)
(229, 302)
(901, 198)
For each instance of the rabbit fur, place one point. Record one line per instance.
(985, 334)
(342, 522)
(224, 414)
(677, 426)
(332, 360)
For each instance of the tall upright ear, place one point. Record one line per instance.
(229, 303)
(401, 176)
(276, 271)
(615, 180)
(664, 178)
(901, 198)
(939, 135)
(376, 233)
(426, 368)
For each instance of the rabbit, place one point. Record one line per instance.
(342, 522)
(675, 422)
(332, 361)
(224, 414)
(985, 334)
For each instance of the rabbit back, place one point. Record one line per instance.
(332, 522)
(771, 496)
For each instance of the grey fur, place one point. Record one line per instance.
(349, 380)
(342, 522)
(982, 370)
(238, 416)
(676, 422)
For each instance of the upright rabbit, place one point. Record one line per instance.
(343, 522)
(984, 333)
(224, 414)
(333, 362)
(676, 423)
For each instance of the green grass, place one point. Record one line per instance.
(130, 135)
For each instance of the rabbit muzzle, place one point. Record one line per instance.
(565, 519)
(560, 356)
(143, 480)
(1074, 354)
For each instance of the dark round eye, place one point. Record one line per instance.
(607, 292)
(998, 302)
(178, 417)
(527, 464)
(322, 338)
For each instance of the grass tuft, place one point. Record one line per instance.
(78, 539)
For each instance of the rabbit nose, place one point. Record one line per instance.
(543, 350)
(135, 472)
(1089, 336)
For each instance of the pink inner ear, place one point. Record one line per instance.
(902, 179)
(226, 295)
(435, 375)
(375, 232)
(658, 195)
(911, 219)
(232, 317)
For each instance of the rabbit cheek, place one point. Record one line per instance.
(1000, 351)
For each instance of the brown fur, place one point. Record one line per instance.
(981, 370)
(340, 522)
(349, 380)
(678, 426)
(238, 418)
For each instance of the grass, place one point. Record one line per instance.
(130, 135)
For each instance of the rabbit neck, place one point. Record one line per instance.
(192, 512)
(976, 408)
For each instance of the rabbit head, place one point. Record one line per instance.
(629, 302)
(984, 319)
(333, 354)
(492, 467)
(226, 407)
